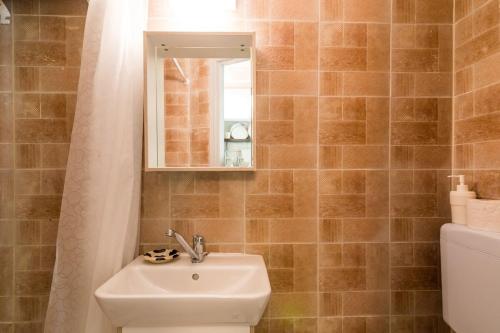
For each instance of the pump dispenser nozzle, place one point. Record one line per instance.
(460, 187)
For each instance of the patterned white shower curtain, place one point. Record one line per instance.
(100, 208)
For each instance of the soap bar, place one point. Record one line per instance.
(160, 256)
(483, 214)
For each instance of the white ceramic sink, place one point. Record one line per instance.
(230, 289)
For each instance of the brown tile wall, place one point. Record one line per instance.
(176, 101)
(353, 122)
(354, 116)
(39, 66)
(421, 127)
(187, 120)
(477, 95)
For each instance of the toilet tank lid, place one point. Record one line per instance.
(481, 241)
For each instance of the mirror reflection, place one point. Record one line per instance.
(208, 112)
(204, 107)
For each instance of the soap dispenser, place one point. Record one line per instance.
(458, 200)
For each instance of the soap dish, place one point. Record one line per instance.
(160, 256)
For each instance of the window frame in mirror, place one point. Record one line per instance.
(153, 100)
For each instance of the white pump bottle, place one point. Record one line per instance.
(458, 200)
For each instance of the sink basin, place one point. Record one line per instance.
(223, 290)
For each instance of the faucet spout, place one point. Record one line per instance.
(197, 254)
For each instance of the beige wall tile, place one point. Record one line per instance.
(281, 33)
(462, 8)
(195, 206)
(331, 34)
(369, 11)
(26, 6)
(427, 36)
(463, 31)
(275, 58)
(293, 156)
(305, 120)
(293, 305)
(487, 184)
(434, 11)
(267, 206)
(342, 59)
(487, 100)
(366, 84)
(294, 9)
(365, 157)
(365, 230)
(411, 133)
(39, 54)
(275, 132)
(365, 303)
(27, 105)
(403, 36)
(478, 48)
(52, 28)
(331, 206)
(378, 43)
(280, 203)
(345, 132)
(403, 11)
(33, 283)
(330, 157)
(433, 84)
(26, 27)
(63, 7)
(41, 131)
(477, 129)
(220, 231)
(38, 207)
(341, 279)
(484, 71)
(293, 83)
(485, 155)
(486, 17)
(415, 60)
(414, 278)
(409, 205)
(59, 79)
(403, 84)
(306, 46)
(330, 230)
(331, 10)
(330, 83)
(292, 230)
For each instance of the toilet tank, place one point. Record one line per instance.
(470, 267)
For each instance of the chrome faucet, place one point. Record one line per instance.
(197, 252)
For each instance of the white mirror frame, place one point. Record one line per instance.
(153, 100)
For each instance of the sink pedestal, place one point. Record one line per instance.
(188, 329)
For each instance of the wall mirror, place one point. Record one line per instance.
(199, 101)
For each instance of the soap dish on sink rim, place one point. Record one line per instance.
(160, 256)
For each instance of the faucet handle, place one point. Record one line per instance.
(170, 233)
(199, 244)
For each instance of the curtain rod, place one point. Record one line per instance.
(176, 63)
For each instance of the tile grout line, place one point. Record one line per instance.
(318, 228)
(389, 156)
(453, 33)
(14, 220)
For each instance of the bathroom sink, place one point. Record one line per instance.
(225, 289)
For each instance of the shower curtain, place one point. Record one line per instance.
(100, 207)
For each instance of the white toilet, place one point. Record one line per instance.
(470, 262)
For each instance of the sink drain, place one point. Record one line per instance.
(195, 276)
